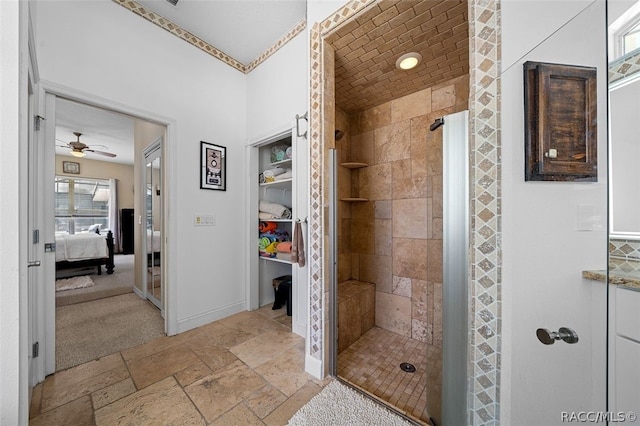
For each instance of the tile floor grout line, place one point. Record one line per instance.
(189, 397)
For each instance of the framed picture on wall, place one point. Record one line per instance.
(213, 166)
(71, 167)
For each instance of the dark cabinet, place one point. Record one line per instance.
(560, 122)
(126, 220)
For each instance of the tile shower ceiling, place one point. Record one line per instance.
(367, 49)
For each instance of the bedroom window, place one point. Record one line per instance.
(81, 205)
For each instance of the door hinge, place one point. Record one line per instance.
(36, 236)
(35, 350)
(36, 122)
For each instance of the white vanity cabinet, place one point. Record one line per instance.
(626, 341)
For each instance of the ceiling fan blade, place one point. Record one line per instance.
(108, 154)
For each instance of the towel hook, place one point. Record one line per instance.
(301, 220)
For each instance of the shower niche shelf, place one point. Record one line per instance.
(354, 165)
(354, 200)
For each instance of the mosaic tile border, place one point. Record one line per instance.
(485, 209)
(624, 67)
(486, 259)
(624, 249)
(194, 40)
(318, 289)
(293, 32)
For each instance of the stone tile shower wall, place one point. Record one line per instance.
(394, 240)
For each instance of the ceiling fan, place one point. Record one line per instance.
(79, 149)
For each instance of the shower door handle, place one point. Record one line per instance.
(564, 333)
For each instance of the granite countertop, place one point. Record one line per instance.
(622, 272)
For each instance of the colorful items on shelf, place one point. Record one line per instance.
(269, 242)
(280, 153)
(274, 175)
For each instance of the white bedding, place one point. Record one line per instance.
(153, 242)
(81, 247)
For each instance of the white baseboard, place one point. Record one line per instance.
(314, 367)
(138, 292)
(198, 320)
(300, 329)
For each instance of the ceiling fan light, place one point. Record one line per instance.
(78, 154)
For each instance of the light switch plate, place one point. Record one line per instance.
(204, 219)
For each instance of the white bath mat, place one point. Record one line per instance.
(338, 404)
(74, 282)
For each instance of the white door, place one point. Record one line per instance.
(551, 232)
(35, 253)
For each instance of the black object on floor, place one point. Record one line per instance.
(282, 291)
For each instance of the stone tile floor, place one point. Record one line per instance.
(372, 364)
(247, 369)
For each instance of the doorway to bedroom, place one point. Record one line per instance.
(100, 199)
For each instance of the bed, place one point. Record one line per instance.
(83, 250)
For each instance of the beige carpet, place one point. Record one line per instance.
(338, 404)
(120, 282)
(90, 330)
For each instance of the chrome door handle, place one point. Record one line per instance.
(33, 263)
(564, 333)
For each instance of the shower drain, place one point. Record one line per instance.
(407, 368)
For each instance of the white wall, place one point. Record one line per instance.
(102, 49)
(277, 90)
(543, 252)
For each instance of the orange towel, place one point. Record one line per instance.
(284, 247)
(267, 226)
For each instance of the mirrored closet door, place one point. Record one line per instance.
(153, 224)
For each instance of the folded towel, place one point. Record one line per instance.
(285, 175)
(284, 247)
(273, 172)
(280, 211)
(283, 256)
(272, 248)
(264, 242)
(266, 216)
(297, 248)
(267, 226)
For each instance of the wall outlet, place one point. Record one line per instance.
(204, 219)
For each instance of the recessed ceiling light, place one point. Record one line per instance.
(408, 60)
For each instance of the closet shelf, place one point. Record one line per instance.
(277, 183)
(354, 165)
(281, 162)
(354, 200)
(275, 220)
(274, 259)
